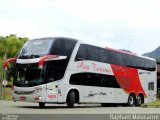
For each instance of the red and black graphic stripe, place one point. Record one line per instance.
(128, 79)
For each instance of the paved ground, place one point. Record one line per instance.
(32, 108)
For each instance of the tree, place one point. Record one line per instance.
(9, 47)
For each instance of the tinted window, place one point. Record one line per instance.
(27, 78)
(94, 79)
(36, 47)
(151, 86)
(89, 52)
(55, 69)
(82, 53)
(63, 47)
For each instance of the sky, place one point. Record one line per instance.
(122, 24)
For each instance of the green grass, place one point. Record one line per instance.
(7, 93)
(156, 102)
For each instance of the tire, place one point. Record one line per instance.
(139, 100)
(71, 99)
(41, 104)
(131, 100)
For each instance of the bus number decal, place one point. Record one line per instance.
(52, 96)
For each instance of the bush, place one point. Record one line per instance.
(9, 84)
(158, 93)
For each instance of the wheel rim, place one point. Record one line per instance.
(131, 100)
(139, 100)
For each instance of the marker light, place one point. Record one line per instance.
(38, 98)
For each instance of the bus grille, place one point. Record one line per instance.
(24, 92)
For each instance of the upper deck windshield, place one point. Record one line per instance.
(37, 47)
(40, 47)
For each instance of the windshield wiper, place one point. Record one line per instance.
(29, 56)
(34, 56)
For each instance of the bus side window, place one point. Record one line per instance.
(90, 52)
(151, 86)
(82, 53)
(51, 75)
(112, 57)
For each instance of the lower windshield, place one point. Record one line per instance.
(28, 77)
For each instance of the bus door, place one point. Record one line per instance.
(51, 84)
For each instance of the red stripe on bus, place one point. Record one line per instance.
(128, 79)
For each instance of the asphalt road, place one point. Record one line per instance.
(11, 107)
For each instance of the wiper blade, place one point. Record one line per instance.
(29, 56)
(34, 56)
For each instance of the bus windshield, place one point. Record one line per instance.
(36, 47)
(28, 77)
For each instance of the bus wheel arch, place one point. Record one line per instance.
(139, 99)
(131, 99)
(72, 97)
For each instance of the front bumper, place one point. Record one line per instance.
(28, 98)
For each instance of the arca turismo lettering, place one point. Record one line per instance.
(93, 66)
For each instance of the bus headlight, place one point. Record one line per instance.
(38, 98)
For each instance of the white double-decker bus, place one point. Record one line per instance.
(65, 70)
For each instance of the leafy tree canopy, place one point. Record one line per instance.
(10, 46)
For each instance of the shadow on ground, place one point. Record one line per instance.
(65, 106)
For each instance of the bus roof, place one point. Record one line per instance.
(44, 38)
(87, 43)
(117, 50)
(121, 51)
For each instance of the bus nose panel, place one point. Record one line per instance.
(31, 94)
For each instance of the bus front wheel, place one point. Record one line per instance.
(71, 99)
(41, 104)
